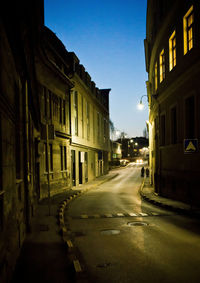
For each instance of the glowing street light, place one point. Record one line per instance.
(141, 105)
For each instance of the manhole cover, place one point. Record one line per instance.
(135, 223)
(110, 232)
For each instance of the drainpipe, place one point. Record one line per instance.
(26, 163)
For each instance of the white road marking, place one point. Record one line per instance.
(132, 214)
(120, 214)
(143, 214)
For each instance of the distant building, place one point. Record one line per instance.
(131, 147)
(172, 49)
(115, 153)
(90, 125)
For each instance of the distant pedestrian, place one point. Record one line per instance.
(142, 172)
(147, 172)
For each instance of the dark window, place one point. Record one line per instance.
(46, 157)
(61, 157)
(189, 118)
(50, 105)
(45, 102)
(162, 130)
(173, 126)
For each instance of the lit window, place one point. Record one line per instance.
(172, 51)
(162, 65)
(156, 76)
(188, 21)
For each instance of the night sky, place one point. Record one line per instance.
(108, 38)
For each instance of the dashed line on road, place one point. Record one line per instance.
(117, 215)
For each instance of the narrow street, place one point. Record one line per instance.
(121, 238)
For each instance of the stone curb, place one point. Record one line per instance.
(166, 206)
(63, 229)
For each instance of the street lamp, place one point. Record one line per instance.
(141, 105)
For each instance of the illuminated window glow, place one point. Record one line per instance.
(172, 51)
(162, 65)
(188, 21)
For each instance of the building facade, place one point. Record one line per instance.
(54, 130)
(54, 93)
(172, 50)
(19, 127)
(90, 125)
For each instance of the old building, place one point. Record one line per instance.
(90, 125)
(172, 49)
(54, 93)
(19, 127)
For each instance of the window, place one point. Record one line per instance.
(190, 118)
(98, 126)
(82, 102)
(88, 119)
(45, 157)
(162, 65)
(50, 105)
(188, 21)
(162, 130)
(172, 51)
(173, 125)
(156, 76)
(76, 113)
(105, 130)
(63, 157)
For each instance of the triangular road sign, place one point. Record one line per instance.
(190, 147)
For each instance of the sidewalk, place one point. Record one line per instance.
(148, 194)
(43, 256)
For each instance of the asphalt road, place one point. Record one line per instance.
(122, 238)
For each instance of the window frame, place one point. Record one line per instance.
(187, 29)
(172, 51)
(162, 65)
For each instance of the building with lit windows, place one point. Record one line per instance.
(172, 51)
(90, 142)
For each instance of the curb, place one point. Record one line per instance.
(65, 233)
(167, 206)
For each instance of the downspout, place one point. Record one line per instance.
(26, 163)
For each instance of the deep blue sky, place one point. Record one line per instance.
(107, 37)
